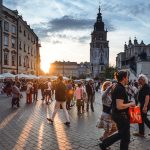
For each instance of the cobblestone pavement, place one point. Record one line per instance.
(26, 128)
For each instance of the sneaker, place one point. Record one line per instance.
(102, 147)
(67, 123)
(138, 134)
(50, 120)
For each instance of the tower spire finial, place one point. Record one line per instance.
(99, 6)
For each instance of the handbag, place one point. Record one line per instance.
(99, 123)
(135, 115)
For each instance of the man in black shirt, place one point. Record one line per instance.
(143, 98)
(90, 93)
(60, 96)
(120, 105)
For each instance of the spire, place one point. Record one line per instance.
(135, 41)
(99, 9)
(99, 25)
(130, 42)
(125, 46)
(99, 15)
(142, 43)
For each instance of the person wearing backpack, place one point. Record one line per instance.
(60, 96)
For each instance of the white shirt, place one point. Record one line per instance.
(49, 85)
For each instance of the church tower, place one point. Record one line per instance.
(99, 47)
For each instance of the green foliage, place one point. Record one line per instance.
(109, 72)
(82, 76)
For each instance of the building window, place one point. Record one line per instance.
(6, 39)
(13, 60)
(5, 58)
(28, 50)
(13, 29)
(24, 47)
(31, 64)
(101, 58)
(6, 26)
(19, 60)
(28, 37)
(20, 45)
(24, 32)
(20, 30)
(13, 42)
(26, 62)
(101, 46)
(31, 52)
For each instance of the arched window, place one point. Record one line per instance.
(26, 61)
(101, 58)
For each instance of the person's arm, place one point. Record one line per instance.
(106, 92)
(146, 103)
(120, 105)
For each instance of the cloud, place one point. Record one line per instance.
(14, 3)
(84, 39)
(69, 23)
(57, 42)
(58, 25)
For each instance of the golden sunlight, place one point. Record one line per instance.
(45, 66)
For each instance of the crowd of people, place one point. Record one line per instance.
(82, 92)
(116, 96)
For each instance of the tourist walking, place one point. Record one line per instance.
(106, 120)
(35, 90)
(29, 92)
(48, 91)
(15, 95)
(143, 99)
(69, 94)
(60, 96)
(91, 95)
(79, 99)
(120, 105)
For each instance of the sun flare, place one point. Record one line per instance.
(45, 66)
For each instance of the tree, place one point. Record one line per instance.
(82, 76)
(109, 72)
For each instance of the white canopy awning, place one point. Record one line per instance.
(8, 75)
(22, 76)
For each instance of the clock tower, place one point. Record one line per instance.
(99, 47)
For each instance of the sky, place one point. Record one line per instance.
(64, 27)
